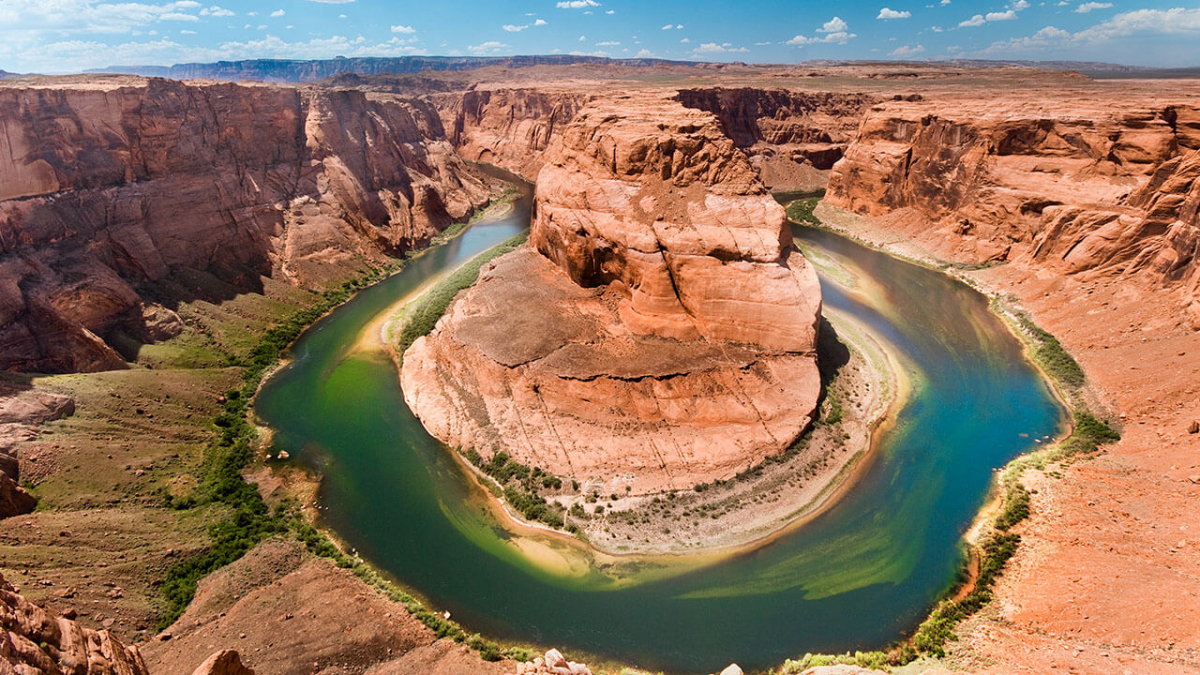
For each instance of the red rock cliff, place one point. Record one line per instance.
(112, 184)
(511, 128)
(1097, 187)
(660, 328)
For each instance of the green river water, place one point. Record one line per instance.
(859, 576)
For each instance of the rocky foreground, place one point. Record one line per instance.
(661, 326)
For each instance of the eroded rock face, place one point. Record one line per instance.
(112, 184)
(660, 326)
(511, 128)
(33, 641)
(792, 138)
(1101, 187)
(22, 409)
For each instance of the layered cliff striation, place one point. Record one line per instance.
(660, 326)
(110, 185)
(1099, 187)
(792, 137)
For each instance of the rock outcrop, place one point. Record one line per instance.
(33, 642)
(226, 662)
(660, 326)
(511, 128)
(793, 138)
(1102, 187)
(22, 409)
(112, 184)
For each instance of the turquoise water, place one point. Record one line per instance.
(859, 576)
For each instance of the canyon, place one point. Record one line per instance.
(124, 199)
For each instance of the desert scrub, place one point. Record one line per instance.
(433, 304)
(521, 486)
(1051, 355)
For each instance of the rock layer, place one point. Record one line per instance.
(1102, 187)
(113, 184)
(35, 642)
(660, 327)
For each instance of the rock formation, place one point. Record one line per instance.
(21, 410)
(660, 326)
(793, 138)
(223, 663)
(110, 185)
(511, 128)
(1106, 187)
(32, 642)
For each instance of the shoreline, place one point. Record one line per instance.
(748, 518)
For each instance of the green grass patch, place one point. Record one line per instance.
(432, 305)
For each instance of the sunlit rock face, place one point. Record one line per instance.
(660, 324)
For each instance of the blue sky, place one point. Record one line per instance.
(71, 35)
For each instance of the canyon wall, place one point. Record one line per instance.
(792, 138)
(511, 128)
(1101, 186)
(660, 327)
(113, 184)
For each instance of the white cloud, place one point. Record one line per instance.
(514, 29)
(907, 51)
(888, 14)
(576, 4)
(540, 22)
(1089, 6)
(976, 20)
(714, 48)
(487, 48)
(187, 32)
(277, 13)
(945, 2)
(608, 43)
(685, 40)
(675, 26)
(645, 54)
(1006, 15)
(836, 31)
(215, 11)
(1177, 21)
(406, 30)
(834, 25)
(610, 11)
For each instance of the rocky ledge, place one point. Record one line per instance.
(660, 327)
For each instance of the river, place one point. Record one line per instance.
(859, 576)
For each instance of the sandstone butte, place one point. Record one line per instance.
(660, 324)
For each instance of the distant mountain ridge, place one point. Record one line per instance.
(286, 70)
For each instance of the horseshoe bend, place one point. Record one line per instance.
(660, 324)
(435, 364)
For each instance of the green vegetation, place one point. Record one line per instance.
(432, 305)
(801, 210)
(938, 629)
(521, 487)
(249, 520)
(1049, 353)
